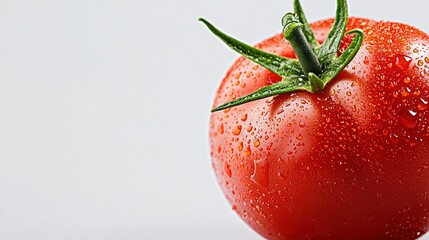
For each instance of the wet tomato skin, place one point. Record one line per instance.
(348, 163)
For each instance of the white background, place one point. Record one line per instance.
(104, 109)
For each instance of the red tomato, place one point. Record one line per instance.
(350, 162)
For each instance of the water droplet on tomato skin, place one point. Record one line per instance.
(407, 80)
(403, 62)
(394, 138)
(220, 129)
(366, 61)
(248, 151)
(408, 119)
(405, 92)
(260, 173)
(237, 130)
(227, 169)
(422, 105)
(240, 146)
(256, 143)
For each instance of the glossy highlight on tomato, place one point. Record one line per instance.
(350, 162)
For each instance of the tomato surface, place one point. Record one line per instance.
(351, 162)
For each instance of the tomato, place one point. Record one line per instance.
(349, 162)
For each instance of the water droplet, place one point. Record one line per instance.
(407, 80)
(240, 146)
(260, 174)
(227, 169)
(403, 62)
(422, 105)
(256, 143)
(366, 61)
(281, 176)
(237, 76)
(394, 138)
(408, 119)
(220, 129)
(248, 152)
(237, 130)
(405, 92)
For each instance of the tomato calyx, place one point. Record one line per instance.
(317, 64)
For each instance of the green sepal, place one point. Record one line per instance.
(329, 48)
(293, 84)
(276, 64)
(338, 64)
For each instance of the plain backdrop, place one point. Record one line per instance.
(104, 109)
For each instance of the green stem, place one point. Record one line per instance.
(293, 32)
